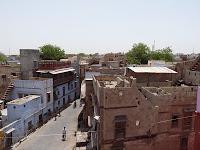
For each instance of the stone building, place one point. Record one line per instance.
(192, 74)
(123, 116)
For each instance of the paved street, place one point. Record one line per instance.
(49, 136)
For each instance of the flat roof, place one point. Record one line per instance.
(151, 70)
(23, 100)
(57, 71)
(89, 75)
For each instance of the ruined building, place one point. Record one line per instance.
(122, 115)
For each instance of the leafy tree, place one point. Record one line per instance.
(139, 54)
(51, 52)
(162, 54)
(2, 57)
(82, 54)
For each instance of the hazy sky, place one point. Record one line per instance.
(99, 25)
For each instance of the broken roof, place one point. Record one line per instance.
(151, 70)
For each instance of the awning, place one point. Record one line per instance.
(152, 70)
(10, 130)
(62, 70)
(57, 71)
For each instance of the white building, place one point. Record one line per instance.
(35, 86)
(23, 107)
(65, 85)
(23, 116)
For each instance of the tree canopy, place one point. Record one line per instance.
(139, 54)
(51, 52)
(162, 54)
(2, 57)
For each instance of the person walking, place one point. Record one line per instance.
(59, 113)
(64, 134)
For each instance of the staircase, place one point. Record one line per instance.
(196, 66)
(8, 90)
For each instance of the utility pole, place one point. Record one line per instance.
(153, 46)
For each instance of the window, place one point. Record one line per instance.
(187, 121)
(13, 74)
(174, 121)
(30, 125)
(184, 143)
(72, 86)
(120, 126)
(68, 86)
(48, 97)
(3, 76)
(69, 98)
(58, 103)
(63, 91)
(63, 101)
(118, 146)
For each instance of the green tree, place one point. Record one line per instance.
(2, 57)
(139, 54)
(51, 52)
(82, 54)
(162, 54)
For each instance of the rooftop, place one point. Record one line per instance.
(152, 70)
(113, 81)
(23, 100)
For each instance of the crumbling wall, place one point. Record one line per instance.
(192, 77)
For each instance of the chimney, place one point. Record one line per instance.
(197, 123)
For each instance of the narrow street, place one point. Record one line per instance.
(49, 136)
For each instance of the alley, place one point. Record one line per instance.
(49, 136)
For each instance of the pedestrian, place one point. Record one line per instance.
(74, 104)
(59, 113)
(55, 117)
(64, 134)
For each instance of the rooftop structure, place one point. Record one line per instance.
(23, 100)
(152, 70)
(152, 76)
(53, 64)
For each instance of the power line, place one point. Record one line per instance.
(73, 131)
